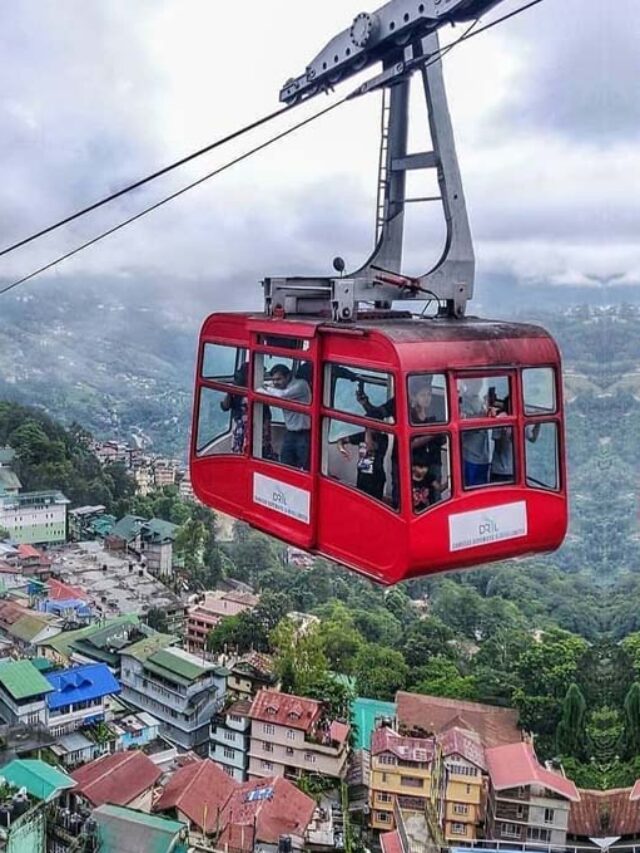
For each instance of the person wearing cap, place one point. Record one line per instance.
(296, 445)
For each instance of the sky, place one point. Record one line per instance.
(545, 108)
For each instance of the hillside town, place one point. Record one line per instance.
(117, 735)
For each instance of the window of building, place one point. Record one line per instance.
(460, 808)
(290, 750)
(430, 470)
(291, 735)
(363, 458)
(267, 747)
(360, 391)
(267, 765)
(383, 817)
(459, 828)
(268, 729)
(411, 782)
(427, 394)
(383, 797)
(510, 830)
(228, 752)
(536, 833)
(539, 390)
(549, 815)
(541, 455)
(310, 757)
(386, 758)
(229, 735)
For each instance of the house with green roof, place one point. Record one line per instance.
(178, 688)
(23, 692)
(156, 545)
(42, 781)
(124, 830)
(99, 643)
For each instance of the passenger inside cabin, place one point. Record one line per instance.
(372, 449)
(476, 446)
(423, 485)
(238, 405)
(296, 445)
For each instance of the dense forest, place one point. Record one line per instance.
(558, 637)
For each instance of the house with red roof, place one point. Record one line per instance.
(606, 814)
(528, 803)
(463, 788)
(259, 813)
(196, 794)
(122, 779)
(404, 773)
(292, 735)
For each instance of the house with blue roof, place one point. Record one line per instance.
(80, 696)
(70, 609)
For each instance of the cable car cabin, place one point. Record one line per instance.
(398, 448)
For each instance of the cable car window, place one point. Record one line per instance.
(428, 399)
(476, 457)
(287, 378)
(281, 435)
(430, 470)
(363, 458)
(225, 364)
(222, 420)
(539, 390)
(359, 391)
(484, 397)
(283, 343)
(541, 455)
(502, 465)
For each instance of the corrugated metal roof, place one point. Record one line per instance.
(123, 830)
(127, 528)
(39, 778)
(516, 765)
(81, 684)
(198, 790)
(365, 714)
(149, 645)
(63, 642)
(29, 626)
(118, 778)
(22, 680)
(179, 664)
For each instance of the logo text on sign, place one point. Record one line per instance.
(484, 526)
(281, 497)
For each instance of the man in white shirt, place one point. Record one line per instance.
(295, 449)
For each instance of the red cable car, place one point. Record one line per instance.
(398, 445)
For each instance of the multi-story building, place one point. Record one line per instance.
(462, 793)
(156, 546)
(291, 736)
(23, 693)
(251, 673)
(35, 518)
(403, 770)
(176, 687)
(230, 738)
(215, 606)
(528, 803)
(164, 472)
(80, 697)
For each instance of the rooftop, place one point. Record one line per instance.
(283, 709)
(268, 808)
(39, 778)
(123, 830)
(605, 813)
(433, 714)
(22, 680)
(59, 591)
(464, 743)
(198, 790)
(414, 749)
(366, 714)
(118, 778)
(516, 765)
(81, 684)
(62, 642)
(143, 649)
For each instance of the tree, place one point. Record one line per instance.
(379, 672)
(632, 721)
(156, 618)
(570, 733)
(441, 677)
(189, 544)
(340, 638)
(300, 661)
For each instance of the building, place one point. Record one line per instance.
(527, 803)
(23, 693)
(292, 736)
(123, 830)
(25, 628)
(98, 643)
(164, 472)
(80, 697)
(156, 546)
(250, 674)
(429, 715)
(35, 518)
(178, 688)
(74, 749)
(604, 815)
(261, 813)
(81, 520)
(230, 739)
(122, 779)
(196, 795)
(462, 797)
(367, 715)
(404, 771)
(134, 730)
(203, 617)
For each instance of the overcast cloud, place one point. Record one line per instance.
(546, 110)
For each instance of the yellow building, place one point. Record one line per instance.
(463, 783)
(405, 769)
